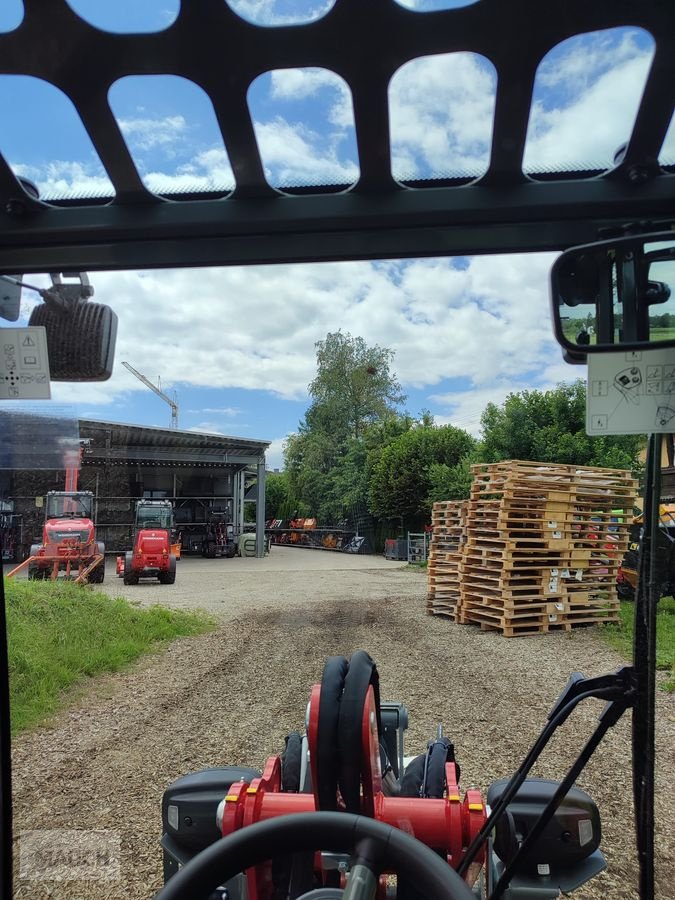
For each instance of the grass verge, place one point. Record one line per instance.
(60, 634)
(620, 636)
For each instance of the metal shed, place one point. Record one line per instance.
(122, 462)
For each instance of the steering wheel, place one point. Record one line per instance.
(376, 846)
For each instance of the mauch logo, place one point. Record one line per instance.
(60, 854)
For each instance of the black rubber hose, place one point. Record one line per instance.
(327, 759)
(362, 673)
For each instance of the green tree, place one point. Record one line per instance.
(276, 495)
(400, 474)
(354, 386)
(550, 426)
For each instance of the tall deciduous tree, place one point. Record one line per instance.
(354, 386)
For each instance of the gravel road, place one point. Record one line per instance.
(232, 695)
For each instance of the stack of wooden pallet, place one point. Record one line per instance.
(448, 521)
(542, 548)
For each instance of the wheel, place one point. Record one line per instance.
(378, 848)
(625, 591)
(170, 576)
(210, 550)
(97, 576)
(130, 577)
(231, 551)
(35, 574)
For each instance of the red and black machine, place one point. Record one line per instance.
(152, 555)
(351, 764)
(69, 544)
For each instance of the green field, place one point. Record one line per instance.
(60, 635)
(621, 637)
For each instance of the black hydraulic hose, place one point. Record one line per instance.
(521, 773)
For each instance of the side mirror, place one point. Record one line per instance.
(80, 340)
(10, 297)
(619, 292)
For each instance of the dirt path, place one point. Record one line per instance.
(231, 696)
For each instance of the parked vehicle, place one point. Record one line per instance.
(152, 555)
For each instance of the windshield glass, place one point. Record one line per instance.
(387, 455)
(159, 517)
(64, 506)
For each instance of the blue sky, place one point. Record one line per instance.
(464, 331)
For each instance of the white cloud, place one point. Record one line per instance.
(275, 453)
(595, 115)
(274, 12)
(66, 178)
(218, 410)
(441, 110)
(147, 134)
(296, 155)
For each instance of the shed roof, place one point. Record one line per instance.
(148, 444)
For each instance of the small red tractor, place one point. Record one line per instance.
(152, 555)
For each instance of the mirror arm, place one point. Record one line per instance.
(617, 686)
(609, 717)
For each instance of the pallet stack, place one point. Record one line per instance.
(448, 521)
(542, 546)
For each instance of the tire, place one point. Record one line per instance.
(170, 576)
(35, 574)
(231, 551)
(210, 550)
(291, 763)
(130, 577)
(97, 576)
(625, 591)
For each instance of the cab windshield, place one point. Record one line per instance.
(70, 506)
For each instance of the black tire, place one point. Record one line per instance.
(625, 591)
(170, 576)
(211, 550)
(130, 577)
(35, 574)
(231, 551)
(97, 576)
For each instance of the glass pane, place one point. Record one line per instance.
(667, 155)
(172, 134)
(434, 5)
(50, 146)
(586, 95)
(128, 15)
(442, 110)
(11, 14)
(280, 12)
(304, 125)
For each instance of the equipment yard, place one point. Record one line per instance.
(231, 696)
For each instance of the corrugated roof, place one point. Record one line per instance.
(148, 442)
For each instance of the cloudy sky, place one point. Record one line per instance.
(465, 331)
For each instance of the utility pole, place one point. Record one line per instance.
(153, 387)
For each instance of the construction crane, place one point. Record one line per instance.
(160, 393)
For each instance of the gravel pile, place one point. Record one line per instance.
(231, 697)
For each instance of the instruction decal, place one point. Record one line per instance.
(24, 364)
(631, 392)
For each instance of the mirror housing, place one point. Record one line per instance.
(572, 835)
(80, 339)
(10, 297)
(617, 294)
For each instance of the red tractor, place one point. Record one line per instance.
(152, 555)
(69, 542)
